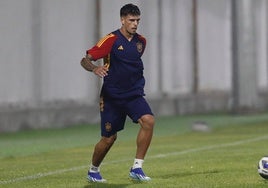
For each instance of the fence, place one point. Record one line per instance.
(201, 56)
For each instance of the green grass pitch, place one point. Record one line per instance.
(225, 156)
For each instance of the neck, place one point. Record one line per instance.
(126, 34)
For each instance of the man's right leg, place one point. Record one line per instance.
(102, 148)
(100, 151)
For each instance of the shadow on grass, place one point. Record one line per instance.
(105, 185)
(108, 185)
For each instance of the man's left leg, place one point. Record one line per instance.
(145, 135)
(143, 141)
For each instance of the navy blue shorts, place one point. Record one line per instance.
(114, 112)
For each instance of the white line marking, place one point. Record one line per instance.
(40, 175)
(211, 147)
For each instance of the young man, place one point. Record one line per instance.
(122, 92)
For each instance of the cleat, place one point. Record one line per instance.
(95, 177)
(138, 174)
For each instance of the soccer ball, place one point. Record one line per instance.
(263, 167)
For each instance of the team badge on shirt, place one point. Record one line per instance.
(108, 127)
(139, 47)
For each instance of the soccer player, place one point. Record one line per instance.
(122, 92)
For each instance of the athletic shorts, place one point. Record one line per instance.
(114, 112)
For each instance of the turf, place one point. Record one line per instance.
(224, 156)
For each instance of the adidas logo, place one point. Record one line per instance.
(120, 47)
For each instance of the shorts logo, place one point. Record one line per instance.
(139, 47)
(108, 127)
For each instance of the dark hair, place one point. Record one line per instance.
(130, 9)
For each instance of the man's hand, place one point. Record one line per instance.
(101, 71)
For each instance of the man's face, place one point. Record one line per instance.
(130, 23)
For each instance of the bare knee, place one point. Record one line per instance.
(109, 141)
(147, 121)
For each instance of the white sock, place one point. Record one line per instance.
(94, 169)
(137, 163)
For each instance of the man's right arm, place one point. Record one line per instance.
(87, 64)
(100, 50)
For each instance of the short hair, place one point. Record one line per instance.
(130, 9)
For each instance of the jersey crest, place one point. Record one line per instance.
(139, 47)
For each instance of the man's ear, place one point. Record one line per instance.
(122, 20)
